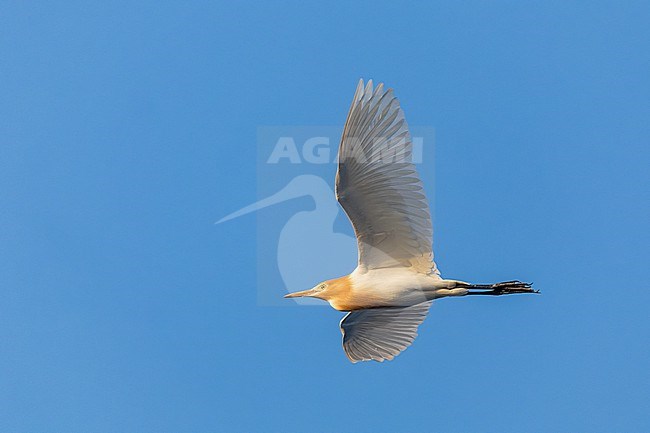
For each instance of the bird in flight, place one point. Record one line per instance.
(389, 293)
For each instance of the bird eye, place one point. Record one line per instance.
(322, 286)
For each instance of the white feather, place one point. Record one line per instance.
(378, 187)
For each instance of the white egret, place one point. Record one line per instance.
(389, 293)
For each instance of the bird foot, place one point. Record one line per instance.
(515, 287)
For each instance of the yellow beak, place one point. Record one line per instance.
(310, 292)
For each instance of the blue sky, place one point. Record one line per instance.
(127, 129)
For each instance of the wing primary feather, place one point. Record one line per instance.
(381, 333)
(378, 186)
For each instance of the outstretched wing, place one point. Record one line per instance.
(381, 333)
(378, 187)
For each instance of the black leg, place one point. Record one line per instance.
(498, 289)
